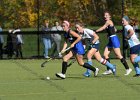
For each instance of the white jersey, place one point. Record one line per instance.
(133, 41)
(88, 34)
(19, 36)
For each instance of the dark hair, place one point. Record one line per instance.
(108, 12)
(134, 22)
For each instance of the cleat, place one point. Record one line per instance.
(137, 75)
(107, 72)
(60, 75)
(96, 72)
(128, 71)
(87, 73)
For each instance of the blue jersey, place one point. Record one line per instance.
(78, 47)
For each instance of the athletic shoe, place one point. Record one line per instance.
(60, 75)
(137, 75)
(96, 72)
(128, 71)
(47, 57)
(87, 73)
(107, 72)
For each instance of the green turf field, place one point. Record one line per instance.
(25, 80)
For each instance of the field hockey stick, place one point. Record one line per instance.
(71, 62)
(43, 64)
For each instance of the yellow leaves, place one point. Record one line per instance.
(63, 2)
(24, 12)
(86, 2)
(30, 2)
(32, 19)
(32, 15)
(60, 2)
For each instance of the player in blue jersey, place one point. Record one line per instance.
(114, 43)
(77, 50)
(134, 44)
(93, 42)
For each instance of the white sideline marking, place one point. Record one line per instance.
(21, 82)
(26, 94)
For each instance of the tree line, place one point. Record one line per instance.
(24, 13)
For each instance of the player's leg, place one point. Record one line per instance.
(98, 57)
(90, 53)
(106, 56)
(117, 51)
(86, 65)
(123, 61)
(135, 59)
(64, 65)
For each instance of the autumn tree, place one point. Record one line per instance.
(24, 13)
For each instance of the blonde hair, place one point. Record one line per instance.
(80, 24)
(46, 21)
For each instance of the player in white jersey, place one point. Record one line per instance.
(134, 44)
(93, 42)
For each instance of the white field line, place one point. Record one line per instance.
(20, 82)
(39, 93)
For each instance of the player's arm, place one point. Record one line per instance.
(96, 37)
(103, 27)
(130, 33)
(74, 34)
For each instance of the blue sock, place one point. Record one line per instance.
(89, 62)
(137, 59)
(109, 65)
(136, 67)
